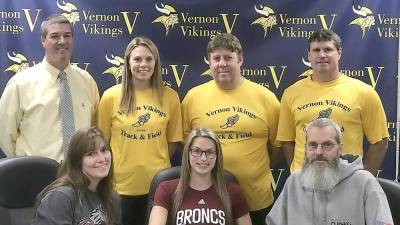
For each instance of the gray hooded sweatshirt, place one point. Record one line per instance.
(356, 199)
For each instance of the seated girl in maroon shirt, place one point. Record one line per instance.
(201, 195)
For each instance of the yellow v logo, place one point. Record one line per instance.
(275, 182)
(85, 65)
(370, 70)
(130, 25)
(276, 79)
(31, 23)
(229, 27)
(323, 21)
(177, 76)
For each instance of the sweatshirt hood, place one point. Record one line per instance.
(347, 168)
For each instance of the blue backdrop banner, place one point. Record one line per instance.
(273, 34)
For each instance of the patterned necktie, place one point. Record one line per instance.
(66, 111)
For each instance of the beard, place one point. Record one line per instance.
(322, 178)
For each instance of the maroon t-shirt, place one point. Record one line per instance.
(201, 207)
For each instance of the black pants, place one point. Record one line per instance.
(134, 209)
(258, 217)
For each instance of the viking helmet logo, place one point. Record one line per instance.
(20, 62)
(267, 19)
(365, 20)
(169, 17)
(208, 71)
(307, 72)
(116, 69)
(70, 11)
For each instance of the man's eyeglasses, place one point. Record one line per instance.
(326, 146)
(210, 153)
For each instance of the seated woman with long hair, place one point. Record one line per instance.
(83, 193)
(201, 195)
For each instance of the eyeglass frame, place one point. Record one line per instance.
(325, 146)
(206, 152)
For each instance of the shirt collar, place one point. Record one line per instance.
(54, 71)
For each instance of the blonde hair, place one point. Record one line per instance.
(217, 174)
(128, 101)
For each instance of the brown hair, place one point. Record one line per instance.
(217, 174)
(227, 41)
(71, 173)
(53, 19)
(325, 35)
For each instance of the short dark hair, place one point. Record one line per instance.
(325, 35)
(53, 19)
(224, 40)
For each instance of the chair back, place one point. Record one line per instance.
(171, 174)
(392, 191)
(21, 179)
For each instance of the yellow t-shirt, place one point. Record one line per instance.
(244, 119)
(354, 105)
(140, 142)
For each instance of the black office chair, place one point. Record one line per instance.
(170, 174)
(21, 179)
(392, 191)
